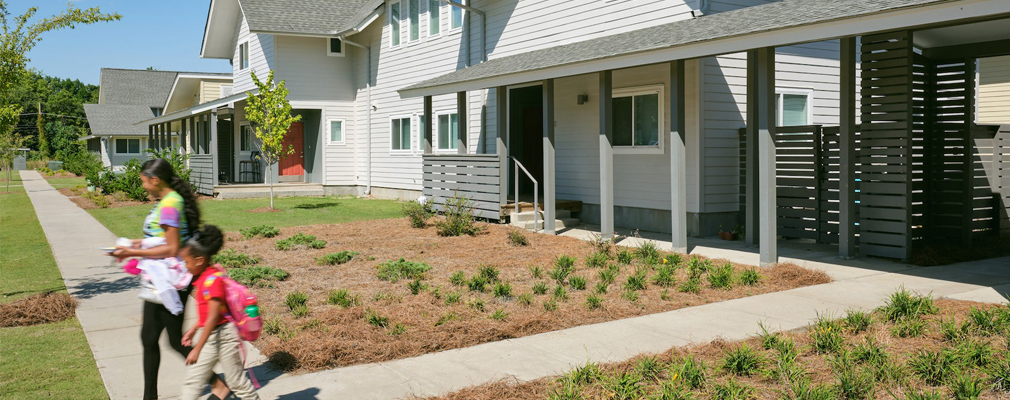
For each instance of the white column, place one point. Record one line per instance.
(213, 145)
(606, 155)
(847, 150)
(767, 215)
(751, 221)
(549, 181)
(501, 144)
(678, 157)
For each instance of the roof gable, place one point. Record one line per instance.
(310, 17)
(135, 86)
(117, 119)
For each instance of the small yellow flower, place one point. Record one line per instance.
(674, 377)
(664, 261)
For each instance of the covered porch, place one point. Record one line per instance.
(906, 165)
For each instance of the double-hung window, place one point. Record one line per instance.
(335, 47)
(394, 23)
(414, 13)
(336, 133)
(127, 146)
(245, 138)
(243, 56)
(399, 129)
(456, 16)
(434, 17)
(448, 131)
(792, 107)
(638, 118)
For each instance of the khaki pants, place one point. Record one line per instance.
(221, 350)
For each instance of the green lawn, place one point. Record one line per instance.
(66, 182)
(47, 360)
(232, 215)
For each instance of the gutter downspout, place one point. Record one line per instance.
(483, 29)
(703, 6)
(368, 114)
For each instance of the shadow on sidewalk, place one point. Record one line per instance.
(86, 288)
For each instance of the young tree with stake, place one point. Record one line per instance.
(269, 115)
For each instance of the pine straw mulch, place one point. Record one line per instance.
(331, 336)
(820, 369)
(59, 174)
(76, 195)
(37, 309)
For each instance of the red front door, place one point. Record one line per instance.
(291, 165)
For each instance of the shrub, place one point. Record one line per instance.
(597, 259)
(636, 281)
(295, 298)
(266, 231)
(742, 361)
(459, 219)
(904, 303)
(416, 286)
(540, 288)
(233, 259)
(648, 252)
(624, 256)
(337, 258)
(299, 240)
(857, 321)
(97, 199)
(577, 282)
(692, 372)
(374, 319)
(750, 277)
(503, 290)
(721, 277)
(550, 305)
(732, 390)
(593, 301)
(525, 299)
(517, 238)
(393, 271)
(343, 298)
(419, 213)
(261, 276)
(909, 327)
(665, 276)
(499, 315)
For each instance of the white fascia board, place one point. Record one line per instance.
(197, 109)
(939, 14)
(215, 20)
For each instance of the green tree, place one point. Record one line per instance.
(19, 37)
(269, 115)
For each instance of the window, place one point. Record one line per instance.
(245, 138)
(414, 13)
(448, 131)
(157, 111)
(336, 135)
(638, 116)
(434, 17)
(400, 138)
(394, 23)
(335, 47)
(792, 107)
(243, 56)
(456, 16)
(127, 146)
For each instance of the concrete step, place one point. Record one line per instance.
(559, 224)
(264, 191)
(528, 215)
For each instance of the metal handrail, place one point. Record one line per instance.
(536, 191)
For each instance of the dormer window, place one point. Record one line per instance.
(243, 56)
(335, 47)
(157, 111)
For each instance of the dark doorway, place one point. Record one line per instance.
(526, 130)
(225, 151)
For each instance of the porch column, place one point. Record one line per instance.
(764, 88)
(192, 134)
(847, 150)
(678, 158)
(462, 132)
(501, 144)
(150, 136)
(182, 135)
(606, 155)
(164, 135)
(751, 221)
(549, 180)
(213, 145)
(428, 122)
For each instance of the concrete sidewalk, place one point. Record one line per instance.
(110, 315)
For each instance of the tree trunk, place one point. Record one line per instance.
(270, 176)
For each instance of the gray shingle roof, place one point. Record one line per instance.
(744, 21)
(138, 87)
(117, 119)
(306, 16)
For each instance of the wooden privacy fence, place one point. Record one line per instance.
(202, 175)
(474, 176)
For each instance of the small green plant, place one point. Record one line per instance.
(295, 299)
(540, 288)
(855, 383)
(999, 372)
(453, 298)
(418, 212)
(732, 390)
(624, 256)
(623, 386)
(742, 361)
(416, 286)
(459, 219)
(343, 298)
(397, 329)
(965, 386)
(476, 303)
(394, 270)
(563, 266)
(98, 199)
(586, 374)
(337, 258)
(272, 326)
(909, 327)
(477, 283)
(594, 302)
(490, 273)
(933, 366)
(691, 285)
(803, 389)
(525, 299)
(648, 367)
(373, 318)
(949, 330)
(560, 293)
(827, 335)
(458, 278)
(857, 321)
(517, 238)
(601, 288)
(259, 275)
(299, 240)
(550, 305)
(601, 245)
(499, 315)
(503, 290)
(692, 372)
(266, 231)
(648, 252)
(985, 322)
(577, 282)
(608, 275)
(300, 310)
(233, 259)
(449, 316)
(904, 303)
(597, 259)
(536, 272)
(869, 352)
(750, 277)
(768, 339)
(721, 277)
(636, 281)
(630, 295)
(974, 352)
(923, 395)
(665, 276)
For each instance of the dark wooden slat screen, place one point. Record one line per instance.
(474, 176)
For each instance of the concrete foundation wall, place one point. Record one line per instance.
(653, 220)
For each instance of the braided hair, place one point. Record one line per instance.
(162, 169)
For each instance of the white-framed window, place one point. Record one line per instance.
(414, 15)
(638, 119)
(399, 140)
(446, 131)
(794, 107)
(335, 131)
(243, 56)
(245, 138)
(456, 16)
(394, 24)
(335, 47)
(127, 146)
(434, 17)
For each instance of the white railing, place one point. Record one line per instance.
(536, 192)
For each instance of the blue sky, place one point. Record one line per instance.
(165, 35)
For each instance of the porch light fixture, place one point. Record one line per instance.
(582, 99)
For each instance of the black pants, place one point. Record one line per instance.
(156, 319)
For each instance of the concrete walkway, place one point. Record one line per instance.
(110, 315)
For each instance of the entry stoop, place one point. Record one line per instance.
(525, 220)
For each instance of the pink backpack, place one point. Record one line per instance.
(243, 311)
